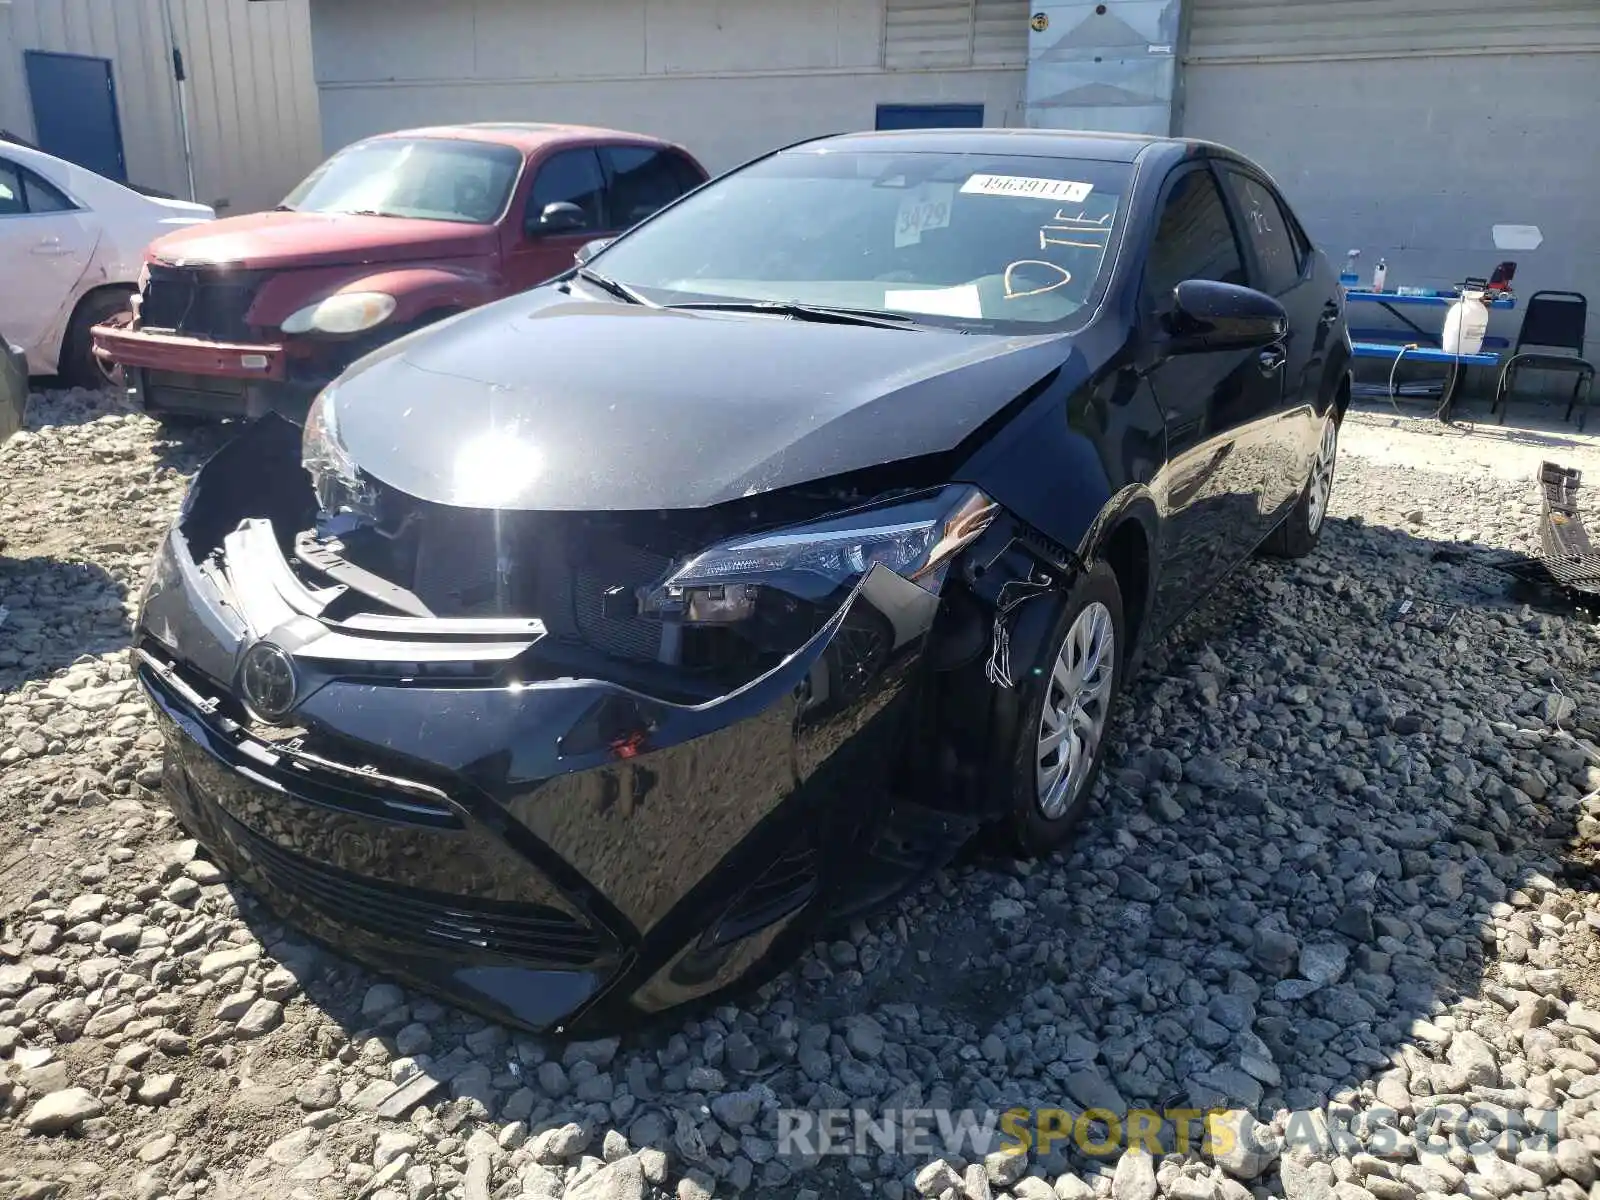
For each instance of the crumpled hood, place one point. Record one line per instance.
(280, 240)
(545, 401)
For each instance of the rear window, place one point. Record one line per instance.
(436, 179)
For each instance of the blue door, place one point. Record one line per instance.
(75, 110)
(930, 116)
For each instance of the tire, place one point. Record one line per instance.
(78, 366)
(1041, 818)
(1300, 531)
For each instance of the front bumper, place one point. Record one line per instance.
(190, 355)
(557, 852)
(178, 374)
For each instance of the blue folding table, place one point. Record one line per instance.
(1426, 346)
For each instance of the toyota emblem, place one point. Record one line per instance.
(267, 681)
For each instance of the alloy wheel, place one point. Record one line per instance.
(1076, 704)
(1322, 476)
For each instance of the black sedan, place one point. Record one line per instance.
(586, 651)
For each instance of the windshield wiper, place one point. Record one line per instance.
(807, 312)
(606, 284)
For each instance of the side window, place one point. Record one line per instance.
(1193, 240)
(689, 175)
(642, 180)
(573, 177)
(42, 196)
(1267, 229)
(12, 202)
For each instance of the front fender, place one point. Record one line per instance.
(1077, 460)
(418, 288)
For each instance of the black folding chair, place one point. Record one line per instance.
(1553, 321)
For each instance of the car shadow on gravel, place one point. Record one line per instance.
(1318, 816)
(56, 611)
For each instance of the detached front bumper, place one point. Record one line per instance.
(175, 373)
(554, 852)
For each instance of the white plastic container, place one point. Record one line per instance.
(1465, 325)
(1380, 275)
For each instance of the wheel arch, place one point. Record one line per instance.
(1125, 536)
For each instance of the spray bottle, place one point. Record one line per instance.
(1350, 277)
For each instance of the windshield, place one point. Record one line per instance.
(437, 179)
(975, 240)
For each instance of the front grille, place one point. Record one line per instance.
(201, 303)
(299, 762)
(487, 564)
(532, 933)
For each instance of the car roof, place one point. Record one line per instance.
(1044, 143)
(526, 135)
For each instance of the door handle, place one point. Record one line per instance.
(1271, 359)
(51, 247)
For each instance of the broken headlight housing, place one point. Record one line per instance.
(916, 538)
(339, 485)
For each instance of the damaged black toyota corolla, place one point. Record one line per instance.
(615, 635)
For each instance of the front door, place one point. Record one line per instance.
(540, 250)
(75, 110)
(46, 244)
(1282, 266)
(1213, 403)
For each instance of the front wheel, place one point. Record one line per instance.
(1301, 529)
(80, 366)
(1061, 713)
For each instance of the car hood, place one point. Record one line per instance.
(546, 401)
(264, 241)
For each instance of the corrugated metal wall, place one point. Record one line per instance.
(955, 33)
(1410, 128)
(729, 80)
(252, 98)
(1254, 30)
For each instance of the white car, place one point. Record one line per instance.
(71, 248)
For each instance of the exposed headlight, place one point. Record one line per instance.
(349, 312)
(339, 486)
(915, 539)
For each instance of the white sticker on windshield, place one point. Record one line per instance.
(923, 208)
(959, 301)
(1064, 190)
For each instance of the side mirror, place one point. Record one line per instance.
(589, 249)
(561, 216)
(1222, 316)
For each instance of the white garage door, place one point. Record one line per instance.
(1409, 128)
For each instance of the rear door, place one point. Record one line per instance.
(46, 244)
(1213, 403)
(1282, 266)
(641, 180)
(571, 175)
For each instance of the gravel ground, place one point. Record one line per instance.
(1338, 882)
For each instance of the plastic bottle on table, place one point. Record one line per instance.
(1380, 275)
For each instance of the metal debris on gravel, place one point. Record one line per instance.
(1338, 881)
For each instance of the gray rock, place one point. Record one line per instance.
(61, 1111)
(1244, 1148)
(736, 1109)
(1134, 1178)
(1004, 1167)
(937, 1178)
(381, 999)
(260, 1018)
(1475, 1058)
(623, 1180)
(1323, 962)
